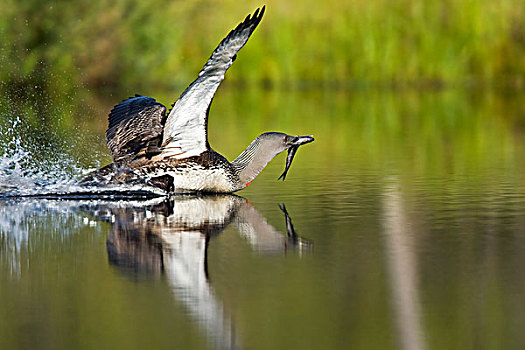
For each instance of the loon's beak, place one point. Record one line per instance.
(301, 140)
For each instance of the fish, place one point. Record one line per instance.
(291, 153)
(294, 145)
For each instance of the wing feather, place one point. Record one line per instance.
(185, 132)
(135, 127)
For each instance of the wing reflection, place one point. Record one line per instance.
(171, 238)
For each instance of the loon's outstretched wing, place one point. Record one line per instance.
(185, 132)
(135, 128)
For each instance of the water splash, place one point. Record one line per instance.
(23, 171)
(29, 168)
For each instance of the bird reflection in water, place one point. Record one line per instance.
(171, 237)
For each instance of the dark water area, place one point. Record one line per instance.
(403, 227)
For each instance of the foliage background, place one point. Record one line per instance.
(113, 45)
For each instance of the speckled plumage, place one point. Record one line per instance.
(208, 172)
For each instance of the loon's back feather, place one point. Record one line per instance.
(135, 128)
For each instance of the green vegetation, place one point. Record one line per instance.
(130, 45)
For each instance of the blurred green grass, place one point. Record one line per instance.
(111, 46)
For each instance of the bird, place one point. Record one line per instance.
(171, 151)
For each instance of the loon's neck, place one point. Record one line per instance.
(252, 161)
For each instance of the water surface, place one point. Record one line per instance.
(404, 229)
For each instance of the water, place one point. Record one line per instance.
(404, 229)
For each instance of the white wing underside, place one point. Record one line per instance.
(185, 131)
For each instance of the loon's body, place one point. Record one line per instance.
(208, 172)
(172, 151)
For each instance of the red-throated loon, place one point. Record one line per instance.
(172, 152)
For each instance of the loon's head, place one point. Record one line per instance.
(277, 141)
(266, 146)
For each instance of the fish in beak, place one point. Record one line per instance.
(294, 146)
